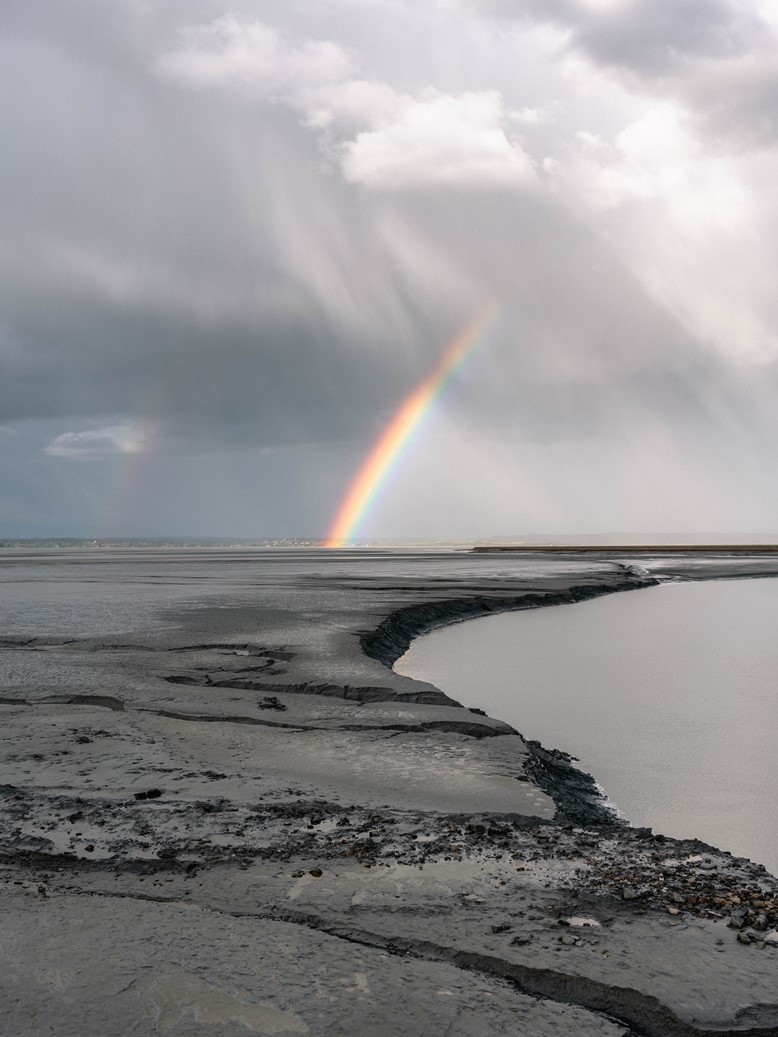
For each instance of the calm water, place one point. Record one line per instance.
(668, 696)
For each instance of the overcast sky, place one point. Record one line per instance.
(234, 236)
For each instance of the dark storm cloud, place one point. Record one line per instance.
(258, 227)
(173, 256)
(719, 56)
(650, 37)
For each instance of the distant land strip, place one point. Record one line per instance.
(661, 549)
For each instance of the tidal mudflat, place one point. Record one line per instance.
(223, 813)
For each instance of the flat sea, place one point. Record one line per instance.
(668, 696)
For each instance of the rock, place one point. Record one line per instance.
(735, 922)
(148, 794)
(271, 702)
(743, 937)
(504, 928)
(630, 893)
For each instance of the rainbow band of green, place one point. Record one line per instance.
(396, 439)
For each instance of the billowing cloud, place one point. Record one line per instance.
(402, 141)
(440, 140)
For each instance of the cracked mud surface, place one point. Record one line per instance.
(221, 813)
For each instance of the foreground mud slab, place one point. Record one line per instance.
(223, 814)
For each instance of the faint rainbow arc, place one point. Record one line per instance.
(393, 442)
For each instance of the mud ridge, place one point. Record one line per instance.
(393, 636)
(642, 1014)
(350, 692)
(461, 727)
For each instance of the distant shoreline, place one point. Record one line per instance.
(643, 549)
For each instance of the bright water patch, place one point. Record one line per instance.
(668, 696)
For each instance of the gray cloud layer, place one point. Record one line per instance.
(256, 230)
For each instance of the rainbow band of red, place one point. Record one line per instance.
(398, 434)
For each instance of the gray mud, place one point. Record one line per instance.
(224, 814)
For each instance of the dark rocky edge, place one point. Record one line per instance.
(393, 636)
(576, 794)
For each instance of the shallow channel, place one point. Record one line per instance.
(668, 696)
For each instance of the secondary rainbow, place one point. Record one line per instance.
(394, 441)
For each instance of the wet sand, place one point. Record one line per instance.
(235, 818)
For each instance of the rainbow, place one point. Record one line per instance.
(396, 438)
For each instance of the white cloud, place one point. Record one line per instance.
(401, 141)
(252, 57)
(352, 104)
(92, 444)
(440, 140)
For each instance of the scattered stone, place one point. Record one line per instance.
(270, 702)
(148, 794)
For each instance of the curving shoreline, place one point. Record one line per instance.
(238, 781)
(577, 795)
(393, 636)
